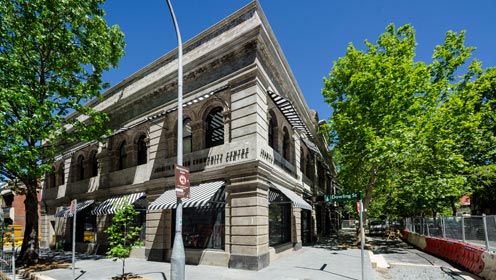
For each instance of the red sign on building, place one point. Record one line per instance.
(182, 181)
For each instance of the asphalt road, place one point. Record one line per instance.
(406, 262)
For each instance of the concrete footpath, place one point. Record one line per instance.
(328, 260)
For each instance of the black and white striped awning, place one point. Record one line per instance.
(111, 205)
(203, 195)
(66, 211)
(289, 111)
(295, 199)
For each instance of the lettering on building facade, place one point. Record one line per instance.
(266, 156)
(228, 157)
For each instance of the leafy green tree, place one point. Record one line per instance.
(52, 56)
(405, 129)
(123, 234)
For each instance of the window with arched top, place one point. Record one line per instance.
(94, 164)
(272, 132)
(302, 161)
(286, 145)
(80, 166)
(187, 136)
(215, 128)
(61, 174)
(310, 167)
(122, 156)
(51, 179)
(142, 150)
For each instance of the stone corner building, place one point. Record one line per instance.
(256, 168)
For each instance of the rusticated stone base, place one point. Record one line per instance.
(249, 262)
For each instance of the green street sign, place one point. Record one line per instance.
(343, 197)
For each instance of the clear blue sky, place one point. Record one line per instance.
(312, 34)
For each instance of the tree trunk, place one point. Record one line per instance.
(123, 265)
(367, 197)
(30, 247)
(453, 205)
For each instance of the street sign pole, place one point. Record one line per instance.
(73, 210)
(362, 236)
(178, 258)
(357, 196)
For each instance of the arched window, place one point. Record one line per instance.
(51, 179)
(302, 161)
(61, 174)
(142, 150)
(215, 128)
(122, 156)
(94, 164)
(272, 127)
(187, 136)
(310, 167)
(80, 165)
(286, 145)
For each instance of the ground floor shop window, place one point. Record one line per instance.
(203, 228)
(279, 223)
(306, 226)
(279, 218)
(85, 226)
(140, 219)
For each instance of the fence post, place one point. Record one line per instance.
(463, 229)
(443, 227)
(484, 223)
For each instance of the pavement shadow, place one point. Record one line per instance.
(384, 246)
(338, 242)
(67, 256)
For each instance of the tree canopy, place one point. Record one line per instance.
(52, 56)
(413, 136)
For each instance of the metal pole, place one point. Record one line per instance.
(463, 229)
(178, 257)
(13, 255)
(484, 223)
(362, 236)
(74, 207)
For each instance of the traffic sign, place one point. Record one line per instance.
(182, 181)
(343, 197)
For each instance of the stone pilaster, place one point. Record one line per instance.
(159, 238)
(248, 223)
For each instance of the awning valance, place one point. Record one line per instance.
(202, 195)
(110, 205)
(66, 211)
(295, 199)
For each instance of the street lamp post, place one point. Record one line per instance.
(177, 257)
